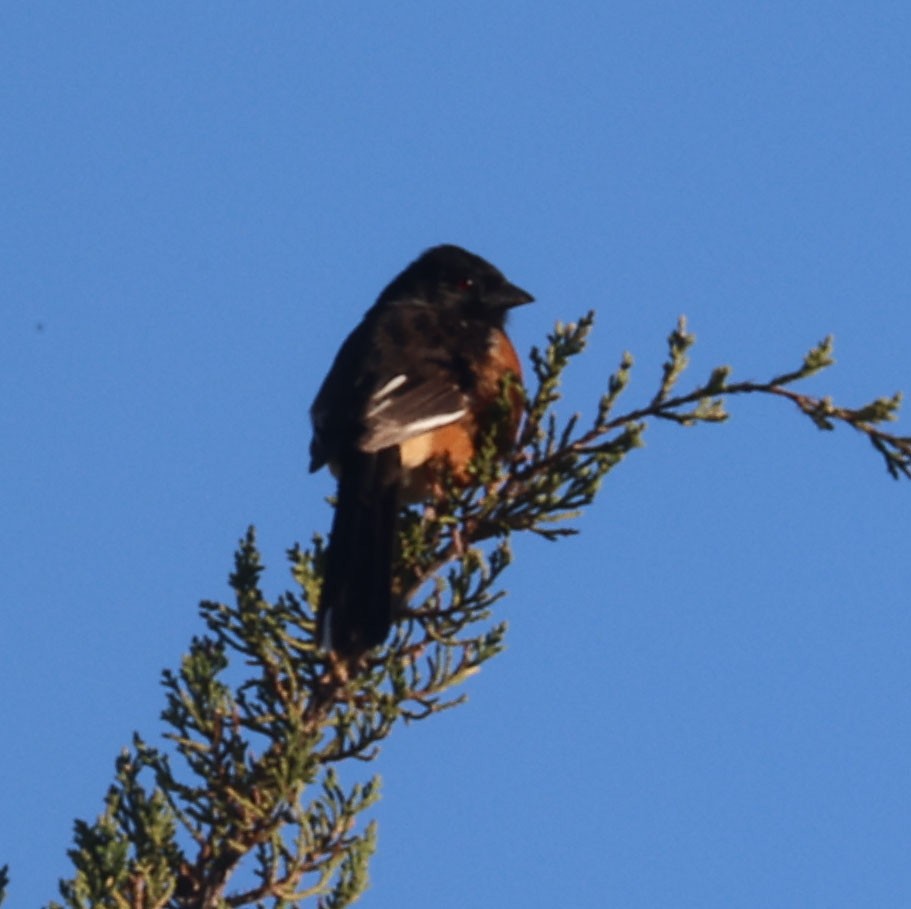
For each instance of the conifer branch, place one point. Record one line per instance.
(242, 805)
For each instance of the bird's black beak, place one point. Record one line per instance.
(509, 295)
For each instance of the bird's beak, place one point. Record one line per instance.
(509, 295)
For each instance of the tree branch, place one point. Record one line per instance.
(245, 788)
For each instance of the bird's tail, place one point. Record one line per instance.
(356, 604)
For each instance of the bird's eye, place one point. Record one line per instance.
(465, 283)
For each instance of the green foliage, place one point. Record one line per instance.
(243, 805)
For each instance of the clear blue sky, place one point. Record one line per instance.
(705, 699)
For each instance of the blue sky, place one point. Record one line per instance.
(705, 697)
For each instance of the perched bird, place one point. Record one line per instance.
(410, 394)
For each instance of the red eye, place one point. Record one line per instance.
(465, 284)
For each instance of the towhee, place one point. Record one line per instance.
(410, 394)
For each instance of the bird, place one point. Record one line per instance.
(409, 396)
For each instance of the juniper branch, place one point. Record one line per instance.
(242, 806)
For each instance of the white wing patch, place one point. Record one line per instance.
(407, 406)
(394, 383)
(394, 433)
(382, 397)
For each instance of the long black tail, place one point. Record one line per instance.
(356, 606)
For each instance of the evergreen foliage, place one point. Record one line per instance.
(242, 805)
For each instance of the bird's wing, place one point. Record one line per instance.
(406, 406)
